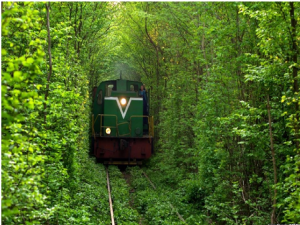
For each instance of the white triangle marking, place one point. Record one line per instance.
(119, 105)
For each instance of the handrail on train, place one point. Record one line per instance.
(150, 124)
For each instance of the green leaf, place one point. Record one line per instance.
(30, 60)
(3, 51)
(18, 75)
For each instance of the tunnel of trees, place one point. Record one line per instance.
(224, 80)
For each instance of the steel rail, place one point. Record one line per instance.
(109, 198)
(179, 216)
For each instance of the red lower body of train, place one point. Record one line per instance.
(122, 151)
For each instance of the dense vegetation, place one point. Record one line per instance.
(224, 80)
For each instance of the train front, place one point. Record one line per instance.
(122, 131)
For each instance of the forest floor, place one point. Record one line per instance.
(154, 206)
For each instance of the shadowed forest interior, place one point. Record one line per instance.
(224, 82)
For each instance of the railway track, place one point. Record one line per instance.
(111, 199)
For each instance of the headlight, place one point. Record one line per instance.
(108, 130)
(123, 101)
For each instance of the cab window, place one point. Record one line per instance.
(109, 88)
(133, 87)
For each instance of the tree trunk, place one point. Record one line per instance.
(273, 216)
(50, 59)
(295, 69)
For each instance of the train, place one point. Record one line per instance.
(122, 129)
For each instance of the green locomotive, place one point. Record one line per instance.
(122, 130)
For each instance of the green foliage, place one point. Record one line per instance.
(22, 144)
(210, 68)
(47, 177)
(154, 205)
